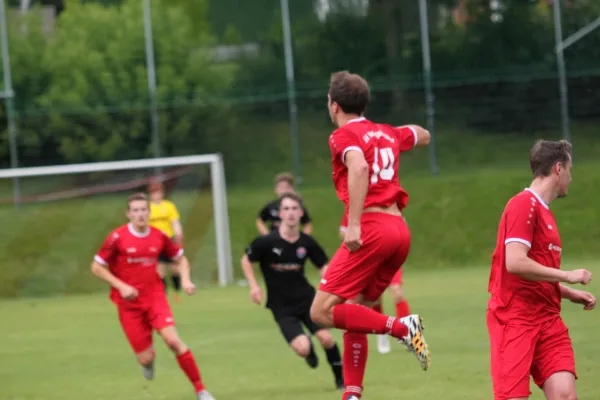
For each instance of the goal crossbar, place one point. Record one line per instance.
(108, 166)
(219, 194)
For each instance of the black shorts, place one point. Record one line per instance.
(164, 259)
(291, 323)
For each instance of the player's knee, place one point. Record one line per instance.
(566, 394)
(319, 315)
(301, 345)
(145, 357)
(325, 338)
(397, 293)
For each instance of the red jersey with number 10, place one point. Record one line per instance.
(381, 146)
(133, 257)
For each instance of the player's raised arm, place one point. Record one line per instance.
(358, 184)
(422, 137)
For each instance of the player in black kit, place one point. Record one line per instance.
(282, 255)
(269, 214)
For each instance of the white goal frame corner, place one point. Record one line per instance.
(218, 186)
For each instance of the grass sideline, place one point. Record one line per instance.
(453, 220)
(73, 348)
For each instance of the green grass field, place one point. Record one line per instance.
(72, 348)
(69, 345)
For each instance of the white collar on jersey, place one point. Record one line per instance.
(136, 233)
(539, 198)
(356, 120)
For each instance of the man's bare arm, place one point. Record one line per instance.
(104, 273)
(307, 228)
(182, 264)
(178, 230)
(519, 263)
(248, 271)
(262, 228)
(358, 184)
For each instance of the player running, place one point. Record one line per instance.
(365, 158)
(282, 255)
(396, 290)
(127, 262)
(527, 334)
(269, 214)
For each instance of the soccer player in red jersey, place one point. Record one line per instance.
(365, 159)
(527, 334)
(397, 292)
(127, 261)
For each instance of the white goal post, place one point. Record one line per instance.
(219, 195)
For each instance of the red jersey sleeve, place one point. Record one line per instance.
(107, 255)
(407, 136)
(170, 249)
(520, 220)
(341, 142)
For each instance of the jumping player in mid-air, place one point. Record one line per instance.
(396, 290)
(282, 255)
(127, 261)
(365, 159)
(527, 335)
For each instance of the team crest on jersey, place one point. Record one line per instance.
(301, 252)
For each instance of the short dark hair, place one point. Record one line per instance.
(137, 197)
(546, 153)
(292, 196)
(284, 177)
(350, 91)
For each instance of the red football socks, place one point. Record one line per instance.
(356, 351)
(188, 364)
(357, 318)
(378, 307)
(402, 309)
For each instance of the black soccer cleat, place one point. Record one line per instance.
(312, 360)
(352, 397)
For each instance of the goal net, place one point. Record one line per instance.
(55, 219)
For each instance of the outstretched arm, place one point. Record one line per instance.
(422, 135)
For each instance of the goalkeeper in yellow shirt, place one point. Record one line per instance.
(165, 217)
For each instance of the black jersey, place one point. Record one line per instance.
(270, 215)
(282, 266)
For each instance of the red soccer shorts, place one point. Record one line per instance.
(397, 279)
(138, 320)
(518, 351)
(370, 269)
